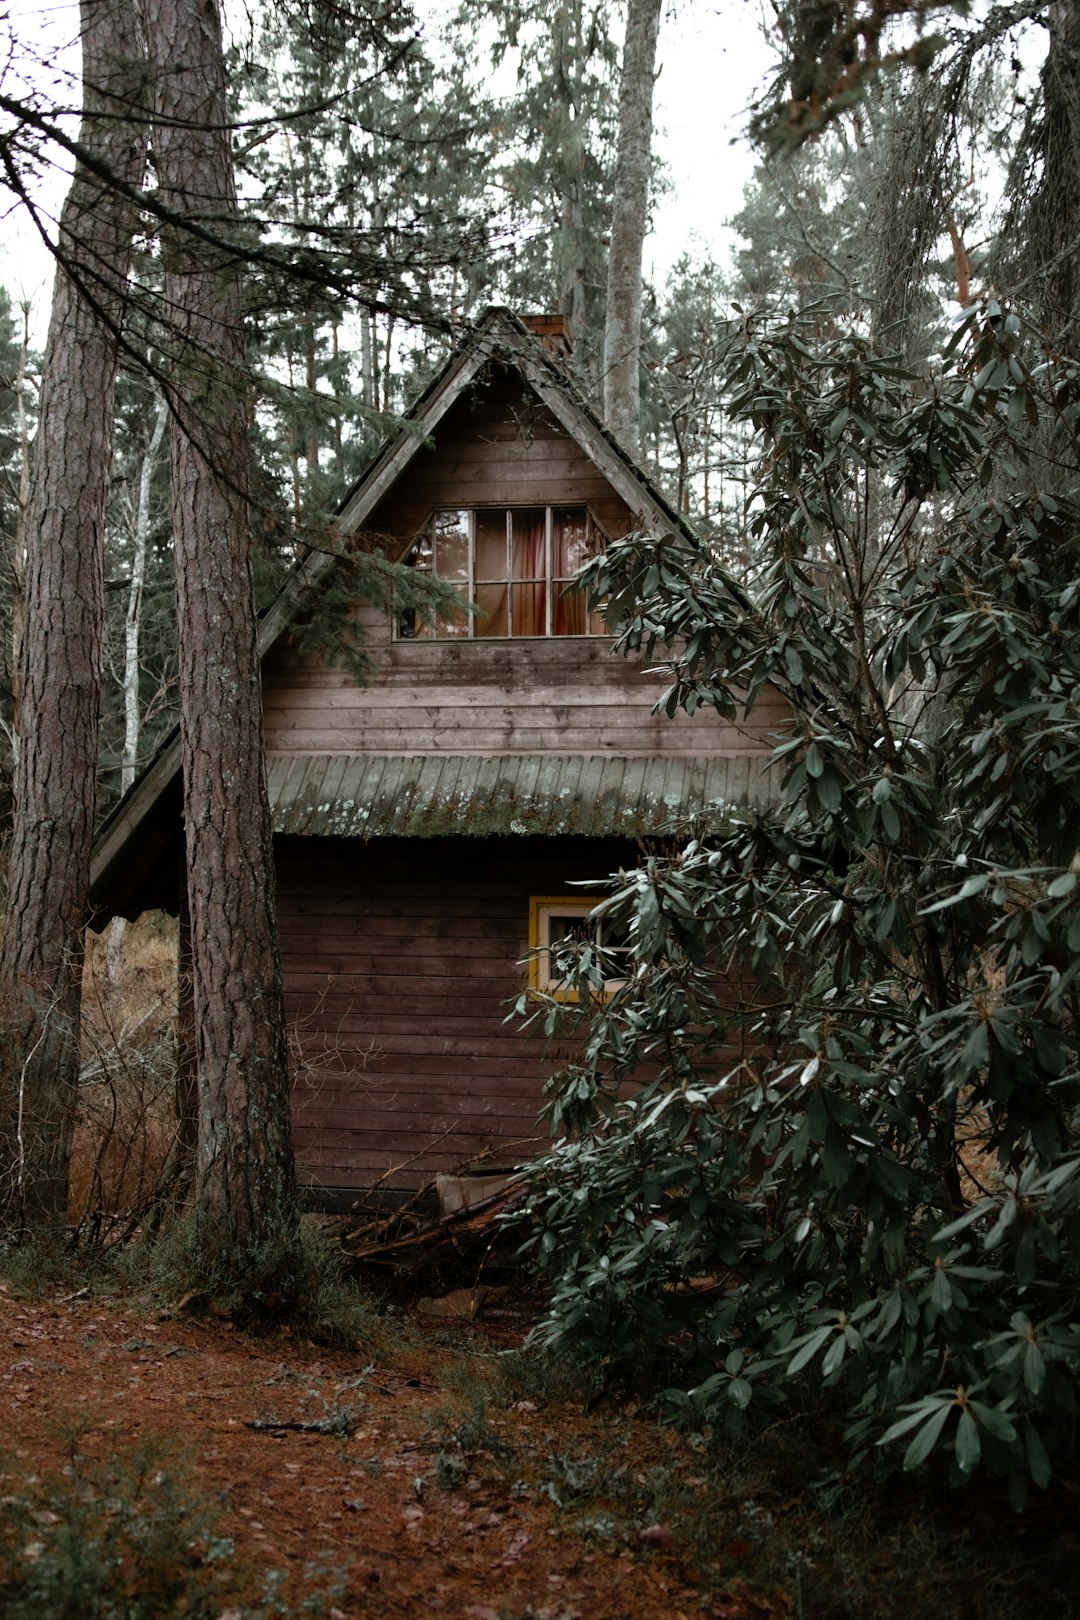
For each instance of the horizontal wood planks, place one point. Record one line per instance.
(529, 696)
(400, 958)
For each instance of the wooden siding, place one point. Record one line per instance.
(499, 446)
(565, 695)
(399, 960)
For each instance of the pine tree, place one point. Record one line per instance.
(244, 1174)
(549, 165)
(42, 950)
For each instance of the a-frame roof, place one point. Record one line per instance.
(497, 337)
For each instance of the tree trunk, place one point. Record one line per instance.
(622, 329)
(244, 1174)
(42, 952)
(1055, 210)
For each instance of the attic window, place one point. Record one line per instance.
(514, 563)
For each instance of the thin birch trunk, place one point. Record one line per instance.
(133, 623)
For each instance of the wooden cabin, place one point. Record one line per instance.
(436, 825)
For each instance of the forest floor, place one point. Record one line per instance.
(448, 1473)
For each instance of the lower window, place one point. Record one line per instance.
(558, 928)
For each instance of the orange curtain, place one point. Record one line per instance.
(529, 554)
(569, 549)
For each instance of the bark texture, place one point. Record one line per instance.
(244, 1175)
(1055, 223)
(42, 950)
(622, 329)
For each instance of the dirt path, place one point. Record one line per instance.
(421, 1485)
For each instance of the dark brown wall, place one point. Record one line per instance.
(399, 960)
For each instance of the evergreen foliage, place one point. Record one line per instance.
(550, 158)
(851, 1154)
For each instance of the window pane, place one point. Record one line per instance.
(573, 540)
(530, 610)
(420, 557)
(451, 629)
(528, 535)
(569, 929)
(491, 548)
(492, 602)
(452, 547)
(569, 611)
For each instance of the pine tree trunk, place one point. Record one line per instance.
(49, 870)
(244, 1174)
(1056, 207)
(622, 329)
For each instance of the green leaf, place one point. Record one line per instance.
(739, 1393)
(941, 1290)
(835, 1158)
(974, 885)
(833, 1356)
(890, 821)
(828, 790)
(968, 1444)
(926, 1439)
(976, 1052)
(884, 925)
(904, 1425)
(1025, 1261)
(809, 1350)
(994, 1421)
(1038, 1460)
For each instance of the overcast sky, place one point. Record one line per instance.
(712, 58)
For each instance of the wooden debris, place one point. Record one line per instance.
(409, 1233)
(462, 1304)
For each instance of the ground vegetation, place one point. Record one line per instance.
(436, 1467)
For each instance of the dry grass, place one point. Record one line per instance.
(126, 1127)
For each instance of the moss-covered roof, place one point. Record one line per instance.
(530, 795)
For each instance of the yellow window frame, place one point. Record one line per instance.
(541, 909)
